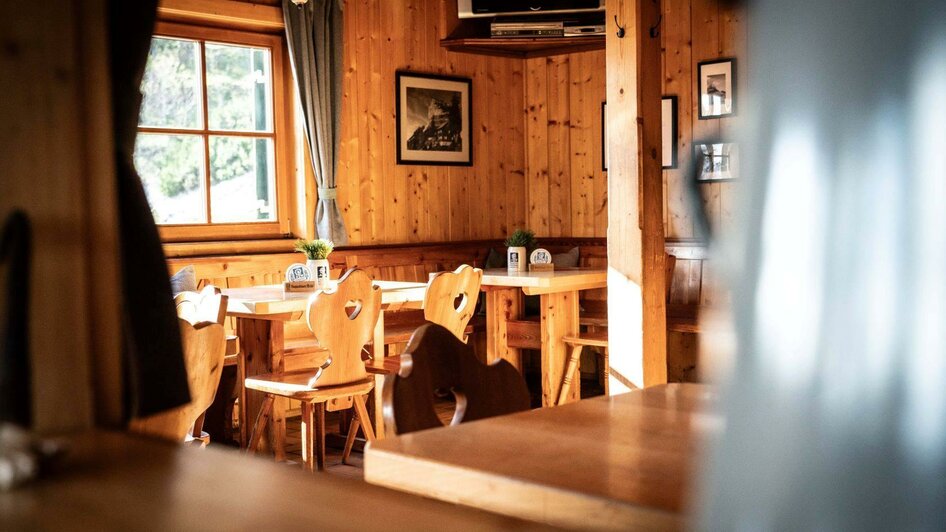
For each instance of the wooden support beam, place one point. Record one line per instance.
(638, 345)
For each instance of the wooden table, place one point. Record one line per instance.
(114, 481)
(558, 291)
(622, 462)
(261, 312)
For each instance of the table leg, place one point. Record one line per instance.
(378, 355)
(262, 348)
(502, 305)
(559, 318)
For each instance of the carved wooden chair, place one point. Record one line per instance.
(204, 341)
(343, 320)
(435, 359)
(450, 300)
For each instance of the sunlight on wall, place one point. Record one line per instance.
(625, 333)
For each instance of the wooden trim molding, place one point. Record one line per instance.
(223, 13)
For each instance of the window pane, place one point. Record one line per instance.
(242, 179)
(171, 86)
(172, 170)
(239, 88)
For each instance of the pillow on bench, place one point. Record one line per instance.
(184, 280)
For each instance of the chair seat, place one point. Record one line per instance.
(596, 339)
(385, 366)
(295, 385)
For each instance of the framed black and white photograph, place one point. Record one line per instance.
(718, 161)
(668, 131)
(433, 118)
(604, 136)
(716, 88)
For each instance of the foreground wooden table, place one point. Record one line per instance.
(559, 317)
(261, 312)
(622, 462)
(113, 481)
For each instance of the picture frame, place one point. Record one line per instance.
(716, 161)
(433, 119)
(604, 136)
(668, 132)
(716, 88)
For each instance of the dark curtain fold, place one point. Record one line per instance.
(155, 375)
(314, 32)
(16, 397)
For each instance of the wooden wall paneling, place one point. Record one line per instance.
(392, 49)
(733, 42)
(679, 81)
(515, 175)
(372, 191)
(581, 140)
(560, 208)
(705, 38)
(595, 90)
(477, 217)
(496, 139)
(537, 145)
(352, 127)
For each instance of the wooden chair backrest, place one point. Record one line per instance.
(435, 359)
(451, 297)
(207, 305)
(205, 345)
(342, 319)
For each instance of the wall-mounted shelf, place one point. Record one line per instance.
(523, 47)
(471, 36)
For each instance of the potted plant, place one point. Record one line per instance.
(316, 254)
(516, 244)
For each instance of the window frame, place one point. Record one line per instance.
(281, 136)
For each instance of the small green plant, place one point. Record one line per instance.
(315, 249)
(521, 238)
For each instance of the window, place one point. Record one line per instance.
(208, 149)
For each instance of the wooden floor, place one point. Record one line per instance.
(333, 459)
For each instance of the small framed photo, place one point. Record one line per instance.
(668, 131)
(433, 119)
(716, 90)
(716, 161)
(604, 136)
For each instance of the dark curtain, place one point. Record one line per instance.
(314, 32)
(155, 375)
(16, 404)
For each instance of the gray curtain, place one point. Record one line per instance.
(314, 32)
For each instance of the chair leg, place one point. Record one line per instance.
(198, 427)
(569, 373)
(259, 428)
(350, 440)
(320, 436)
(607, 373)
(308, 436)
(363, 417)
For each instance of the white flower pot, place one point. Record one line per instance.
(320, 272)
(516, 259)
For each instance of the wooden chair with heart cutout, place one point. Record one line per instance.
(200, 317)
(342, 318)
(435, 359)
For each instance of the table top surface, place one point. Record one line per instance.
(547, 282)
(634, 450)
(269, 300)
(114, 481)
